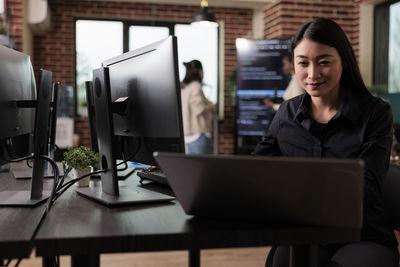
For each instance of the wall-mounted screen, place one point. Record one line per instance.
(259, 77)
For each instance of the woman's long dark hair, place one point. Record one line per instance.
(328, 32)
(193, 72)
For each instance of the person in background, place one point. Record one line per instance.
(293, 89)
(337, 118)
(395, 157)
(196, 111)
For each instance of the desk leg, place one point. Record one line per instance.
(313, 255)
(194, 258)
(292, 256)
(48, 261)
(298, 255)
(92, 260)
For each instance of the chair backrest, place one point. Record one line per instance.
(391, 194)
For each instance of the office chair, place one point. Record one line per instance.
(390, 197)
(391, 194)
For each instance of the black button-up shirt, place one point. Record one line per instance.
(361, 129)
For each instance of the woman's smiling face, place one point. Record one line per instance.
(318, 68)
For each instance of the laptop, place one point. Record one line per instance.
(276, 190)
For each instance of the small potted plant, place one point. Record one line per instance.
(82, 159)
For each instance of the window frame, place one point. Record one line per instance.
(129, 23)
(381, 33)
(381, 43)
(125, 45)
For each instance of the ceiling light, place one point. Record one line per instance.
(203, 17)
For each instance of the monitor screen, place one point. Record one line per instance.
(259, 77)
(146, 82)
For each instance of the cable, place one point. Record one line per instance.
(61, 182)
(16, 160)
(18, 262)
(57, 184)
(8, 146)
(56, 173)
(57, 190)
(66, 171)
(123, 140)
(56, 178)
(79, 178)
(122, 162)
(131, 156)
(68, 184)
(28, 164)
(124, 168)
(38, 226)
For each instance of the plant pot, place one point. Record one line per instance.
(83, 182)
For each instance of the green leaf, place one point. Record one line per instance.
(81, 158)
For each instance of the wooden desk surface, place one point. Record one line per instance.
(17, 224)
(76, 225)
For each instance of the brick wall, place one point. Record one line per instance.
(55, 50)
(14, 10)
(283, 18)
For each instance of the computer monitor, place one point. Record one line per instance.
(17, 82)
(137, 108)
(17, 98)
(147, 80)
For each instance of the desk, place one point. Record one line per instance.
(17, 224)
(82, 228)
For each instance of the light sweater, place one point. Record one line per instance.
(293, 89)
(196, 113)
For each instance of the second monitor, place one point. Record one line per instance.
(148, 116)
(137, 106)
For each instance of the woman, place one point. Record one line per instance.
(293, 89)
(196, 111)
(337, 117)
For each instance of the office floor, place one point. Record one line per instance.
(238, 257)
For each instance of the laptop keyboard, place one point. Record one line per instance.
(154, 175)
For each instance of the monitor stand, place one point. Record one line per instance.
(127, 196)
(5, 167)
(26, 172)
(110, 194)
(21, 198)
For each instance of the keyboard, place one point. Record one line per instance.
(154, 175)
